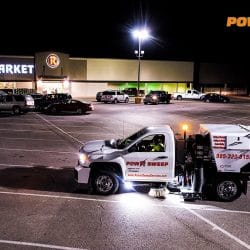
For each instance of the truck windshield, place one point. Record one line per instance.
(127, 141)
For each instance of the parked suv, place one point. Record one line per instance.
(16, 103)
(156, 97)
(114, 96)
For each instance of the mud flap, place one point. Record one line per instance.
(244, 187)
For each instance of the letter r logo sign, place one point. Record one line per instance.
(53, 61)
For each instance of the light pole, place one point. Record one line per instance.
(141, 35)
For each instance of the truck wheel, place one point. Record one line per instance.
(227, 189)
(179, 97)
(105, 183)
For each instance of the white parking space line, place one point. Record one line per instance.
(38, 150)
(2, 166)
(26, 130)
(201, 207)
(23, 124)
(37, 124)
(88, 133)
(215, 226)
(23, 243)
(29, 139)
(61, 130)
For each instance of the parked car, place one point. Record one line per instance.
(16, 104)
(71, 106)
(3, 92)
(37, 98)
(214, 97)
(134, 92)
(156, 97)
(114, 96)
(98, 96)
(44, 101)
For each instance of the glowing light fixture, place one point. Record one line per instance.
(141, 35)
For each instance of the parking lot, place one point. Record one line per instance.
(40, 207)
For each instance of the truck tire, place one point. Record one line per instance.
(227, 189)
(179, 97)
(105, 183)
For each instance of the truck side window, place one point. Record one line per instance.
(151, 143)
(158, 143)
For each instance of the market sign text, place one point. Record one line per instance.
(12, 69)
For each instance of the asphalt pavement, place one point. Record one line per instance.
(40, 207)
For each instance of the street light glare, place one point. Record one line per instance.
(141, 34)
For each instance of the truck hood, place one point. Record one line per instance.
(99, 147)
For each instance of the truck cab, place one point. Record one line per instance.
(105, 165)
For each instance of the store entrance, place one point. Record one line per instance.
(53, 87)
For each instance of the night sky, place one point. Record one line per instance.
(192, 30)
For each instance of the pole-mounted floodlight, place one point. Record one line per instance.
(141, 35)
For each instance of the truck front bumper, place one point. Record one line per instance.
(81, 174)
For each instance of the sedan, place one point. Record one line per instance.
(213, 97)
(70, 106)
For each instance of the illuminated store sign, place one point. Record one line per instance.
(12, 69)
(53, 60)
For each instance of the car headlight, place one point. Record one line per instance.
(154, 97)
(83, 158)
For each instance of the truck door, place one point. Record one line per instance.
(148, 159)
(196, 94)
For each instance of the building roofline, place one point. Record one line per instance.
(17, 56)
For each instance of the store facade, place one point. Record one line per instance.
(55, 72)
(17, 73)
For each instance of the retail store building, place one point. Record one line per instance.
(55, 72)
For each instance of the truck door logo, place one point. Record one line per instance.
(53, 60)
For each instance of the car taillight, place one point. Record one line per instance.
(29, 103)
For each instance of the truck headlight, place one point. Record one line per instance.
(83, 158)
